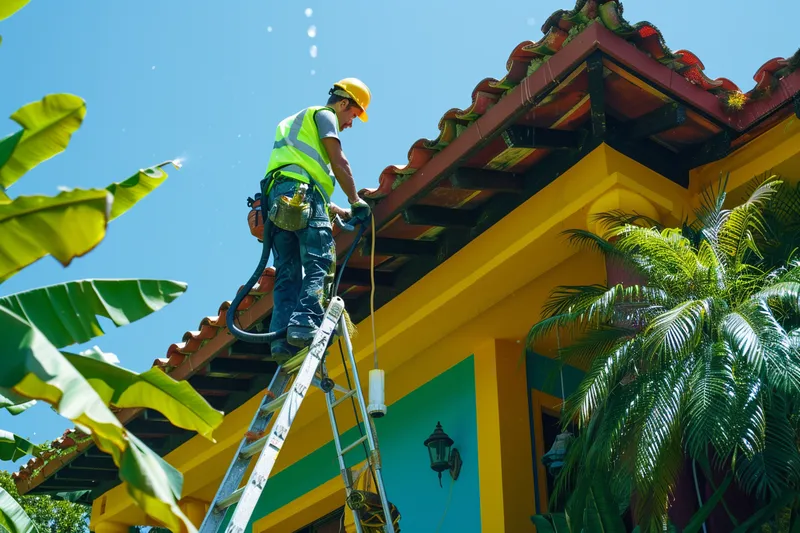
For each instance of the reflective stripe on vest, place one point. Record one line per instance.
(299, 158)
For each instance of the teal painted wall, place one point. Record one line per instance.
(410, 483)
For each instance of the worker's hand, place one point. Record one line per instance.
(360, 211)
(344, 214)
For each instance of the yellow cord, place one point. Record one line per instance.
(372, 291)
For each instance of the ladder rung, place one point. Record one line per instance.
(230, 500)
(356, 443)
(254, 447)
(275, 404)
(349, 394)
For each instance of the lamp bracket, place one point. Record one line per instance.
(455, 463)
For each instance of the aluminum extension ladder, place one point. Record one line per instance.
(285, 393)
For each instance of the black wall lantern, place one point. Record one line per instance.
(442, 457)
(554, 459)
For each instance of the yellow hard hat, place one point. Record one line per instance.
(358, 90)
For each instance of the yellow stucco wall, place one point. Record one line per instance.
(481, 301)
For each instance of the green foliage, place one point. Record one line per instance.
(47, 126)
(43, 512)
(12, 447)
(68, 225)
(67, 313)
(9, 7)
(36, 324)
(701, 360)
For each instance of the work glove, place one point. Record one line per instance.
(359, 212)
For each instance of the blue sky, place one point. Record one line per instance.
(208, 82)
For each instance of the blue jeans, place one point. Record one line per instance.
(305, 263)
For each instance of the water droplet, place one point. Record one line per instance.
(239, 136)
(313, 72)
(312, 31)
(313, 50)
(531, 21)
(269, 29)
(154, 67)
(309, 11)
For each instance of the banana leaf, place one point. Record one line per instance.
(68, 225)
(550, 523)
(67, 313)
(602, 512)
(7, 145)
(14, 403)
(33, 367)
(47, 127)
(12, 447)
(127, 193)
(176, 400)
(77, 496)
(9, 7)
(13, 517)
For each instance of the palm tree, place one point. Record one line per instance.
(701, 361)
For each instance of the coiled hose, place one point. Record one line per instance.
(265, 338)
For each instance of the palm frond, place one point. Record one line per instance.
(659, 454)
(708, 410)
(618, 217)
(676, 332)
(606, 370)
(775, 469)
(592, 241)
(743, 336)
(736, 235)
(596, 342)
(667, 257)
(711, 213)
(783, 364)
(782, 292)
(748, 426)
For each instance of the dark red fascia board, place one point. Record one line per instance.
(499, 117)
(535, 86)
(680, 88)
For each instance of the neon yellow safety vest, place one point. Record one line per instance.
(298, 151)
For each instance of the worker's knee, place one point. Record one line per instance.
(318, 248)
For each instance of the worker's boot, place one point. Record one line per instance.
(300, 336)
(281, 350)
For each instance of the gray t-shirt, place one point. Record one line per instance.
(326, 123)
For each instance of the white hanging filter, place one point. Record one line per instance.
(376, 407)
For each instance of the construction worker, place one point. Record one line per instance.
(307, 150)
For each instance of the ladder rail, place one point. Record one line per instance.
(237, 468)
(345, 472)
(369, 429)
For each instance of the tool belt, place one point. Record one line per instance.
(287, 213)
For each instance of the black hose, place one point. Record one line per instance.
(230, 316)
(363, 226)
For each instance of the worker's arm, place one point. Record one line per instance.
(329, 135)
(341, 168)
